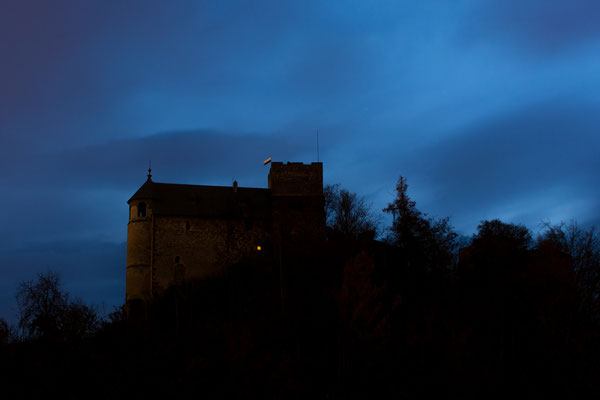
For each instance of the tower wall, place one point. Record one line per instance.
(139, 254)
(298, 203)
(296, 179)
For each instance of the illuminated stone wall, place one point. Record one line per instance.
(187, 248)
(139, 242)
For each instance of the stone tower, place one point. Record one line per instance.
(297, 196)
(139, 243)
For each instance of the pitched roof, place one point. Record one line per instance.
(205, 201)
(146, 191)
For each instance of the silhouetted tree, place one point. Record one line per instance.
(78, 320)
(521, 301)
(45, 310)
(348, 213)
(517, 235)
(583, 248)
(330, 194)
(5, 332)
(117, 316)
(498, 251)
(41, 304)
(426, 241)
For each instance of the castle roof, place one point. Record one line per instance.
(205, 201)
(145, 192)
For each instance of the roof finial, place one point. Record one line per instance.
(150, 170)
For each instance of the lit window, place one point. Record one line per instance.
(259, 248)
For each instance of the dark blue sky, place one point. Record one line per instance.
(489, 108)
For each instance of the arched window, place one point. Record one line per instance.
(142, 210)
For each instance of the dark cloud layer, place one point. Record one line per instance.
(543, 152)
(190, 156)
(544, 26)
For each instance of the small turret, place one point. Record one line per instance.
(139, 243)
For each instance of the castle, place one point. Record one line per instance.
(182, 232)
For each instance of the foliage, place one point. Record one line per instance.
(429, 242)
(78, 320)
(523, 303)
(41, 304)
(517, 235)
(583, 248)
(117, 316)
(348, 213)
(6, 333)
(45, 310)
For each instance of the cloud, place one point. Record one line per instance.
(81, 73)
(520, 166)
(199, 155)
(542, 26)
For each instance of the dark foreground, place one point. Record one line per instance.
(355, 319)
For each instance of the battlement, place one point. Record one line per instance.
(296, 179)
